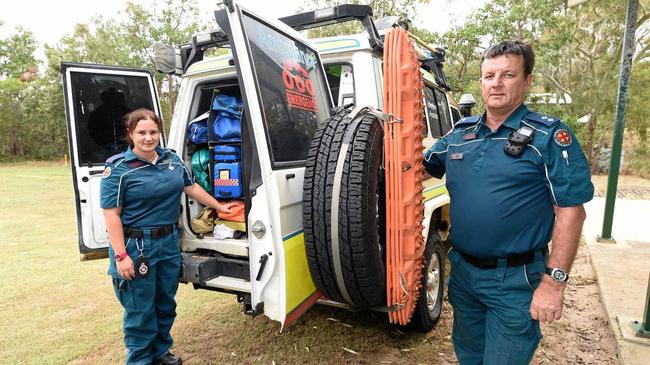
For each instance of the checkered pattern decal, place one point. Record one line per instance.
(226, 182)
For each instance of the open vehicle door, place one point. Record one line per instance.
(286, 96)
(97, 98)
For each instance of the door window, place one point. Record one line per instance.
(443, 112)
(340, 79)
(431, 107)
(292, 90)
(100, 103)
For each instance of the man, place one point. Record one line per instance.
(517, 180)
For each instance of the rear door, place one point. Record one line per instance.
(286, 97)
(97, 98)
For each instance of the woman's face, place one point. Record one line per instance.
(145, 136)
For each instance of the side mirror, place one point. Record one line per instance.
(466, 103)
(165, 58)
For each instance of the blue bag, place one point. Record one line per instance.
(227, 124)
(227, 180)
(227, 153)
(197, 131)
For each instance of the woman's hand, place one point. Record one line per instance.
(125, 268)
(225, 207)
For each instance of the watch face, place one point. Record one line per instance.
(558, 275)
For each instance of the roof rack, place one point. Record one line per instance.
(335, 15)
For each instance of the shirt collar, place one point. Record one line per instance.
(129, 155)
(513, 120)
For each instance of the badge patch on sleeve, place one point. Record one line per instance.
(107, 172)
(562, 138)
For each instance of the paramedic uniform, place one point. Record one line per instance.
(149, 195)
(502, 219)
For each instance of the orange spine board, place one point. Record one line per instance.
(404, 175)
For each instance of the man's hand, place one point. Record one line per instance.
(548, 299)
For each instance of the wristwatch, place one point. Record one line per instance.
(120, 256)
(558, 275)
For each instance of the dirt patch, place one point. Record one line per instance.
(583, 335)
(628, 187)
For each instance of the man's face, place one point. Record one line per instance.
(503, 84)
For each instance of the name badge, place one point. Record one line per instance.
(469, 136)
(457, 156)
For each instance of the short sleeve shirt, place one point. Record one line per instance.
(149, 194)
(502, 205)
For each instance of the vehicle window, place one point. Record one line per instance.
(100, 105)
(443, 109)
(292, 90)
(455, 115)
(425, 118)
(432, 112)
(341, 81)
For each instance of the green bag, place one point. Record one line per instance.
(200, 163)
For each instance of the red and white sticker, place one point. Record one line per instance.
(299, 89)
(107, 172)
(562, 137)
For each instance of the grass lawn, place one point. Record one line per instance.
(56, 309)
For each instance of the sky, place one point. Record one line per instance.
(50, 20)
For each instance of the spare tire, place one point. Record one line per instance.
(344, 209)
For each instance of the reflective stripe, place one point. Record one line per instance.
(119, 185)
(545, 171)
(451, 145)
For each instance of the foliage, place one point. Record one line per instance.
(578, 53)
(31, 113)
(17, 53)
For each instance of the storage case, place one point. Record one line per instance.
(227, 180)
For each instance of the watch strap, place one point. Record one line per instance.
(558, 275)
(120, 256)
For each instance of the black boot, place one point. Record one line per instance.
(169, 359)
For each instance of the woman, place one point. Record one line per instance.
(140, 195)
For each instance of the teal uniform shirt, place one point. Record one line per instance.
(502, 205)
(148, 194)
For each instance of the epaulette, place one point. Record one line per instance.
(467, 121)
(542, 119)
(114, 158)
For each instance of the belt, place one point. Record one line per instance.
(153, 232)
(513, 260)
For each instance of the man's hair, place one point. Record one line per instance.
(515, 47)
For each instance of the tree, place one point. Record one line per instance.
(17, 53)
(174, 24)
(578, 52)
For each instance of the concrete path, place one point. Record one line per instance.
(623, 271)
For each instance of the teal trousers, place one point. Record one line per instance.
(492, 323)
(149, 304)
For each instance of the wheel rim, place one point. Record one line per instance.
(433, 284)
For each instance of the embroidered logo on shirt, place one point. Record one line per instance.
(562, 138)
(107, 172)
(457, 156)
